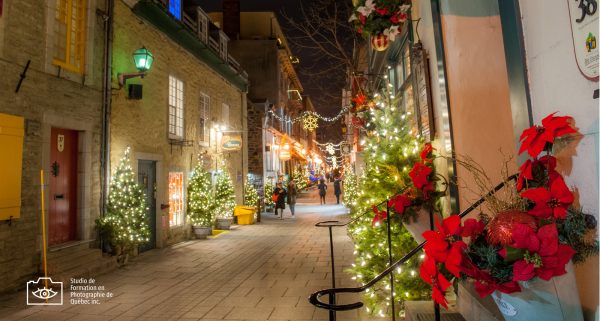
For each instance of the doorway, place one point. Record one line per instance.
(62, 207)
(147, 179)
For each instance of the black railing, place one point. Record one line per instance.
(314, 298)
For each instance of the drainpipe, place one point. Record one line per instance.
(106, 106)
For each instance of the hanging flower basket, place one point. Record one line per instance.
(553, 300)
(379, 19)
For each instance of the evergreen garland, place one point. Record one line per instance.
(126, 222)
(224, 195)
(200, 203)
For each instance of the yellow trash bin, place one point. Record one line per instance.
(245, 214)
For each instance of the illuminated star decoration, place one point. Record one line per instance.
(330, 149)
(309, 122)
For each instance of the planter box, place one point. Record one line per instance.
(554, 300)
(202, 232)
(223, 223)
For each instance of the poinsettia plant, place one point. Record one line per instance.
(535, 235)
(420, 192)
(373, 17)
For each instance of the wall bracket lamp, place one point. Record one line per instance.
(143, 60)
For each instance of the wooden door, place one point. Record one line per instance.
(147, 179)
(62, 211)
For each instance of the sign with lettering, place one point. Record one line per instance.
(584, 29)
(231, 143)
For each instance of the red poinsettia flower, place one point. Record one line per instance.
(425, 152)
(382, 11)
(399, 203)
(395, 19)
(544, 257)
(419, 175)
(485, 284)
(362, 18)
(455, 258)
(379, 215)
(359, 99)
(431, 275)
(439, 242)
(534, 139)
(472, 228)
(550, 203)
(526, 170)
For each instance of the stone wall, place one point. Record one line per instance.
(255, 139)
(143, 124)
(47, 98)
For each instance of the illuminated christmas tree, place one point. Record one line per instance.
(126, 222)
(300, 178)
(224, 196)
(268, 192)
(200, 204)
(390, 150)
(350, 188)
(250, 195)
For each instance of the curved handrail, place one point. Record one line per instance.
(323, 223)
(314, 298)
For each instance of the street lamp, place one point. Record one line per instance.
(143, 59)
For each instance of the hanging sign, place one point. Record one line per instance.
(60, 144)
(584, 29)
(232, 143)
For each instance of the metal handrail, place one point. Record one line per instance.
(314, 298)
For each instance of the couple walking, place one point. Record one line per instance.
(281, 194)
(337, 189)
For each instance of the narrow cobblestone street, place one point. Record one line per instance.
(264, 271)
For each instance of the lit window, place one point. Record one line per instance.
(69, 35)
(176, 200)
(175, 8)
(204, 126)
(175, 108)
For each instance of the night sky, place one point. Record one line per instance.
(320, 90)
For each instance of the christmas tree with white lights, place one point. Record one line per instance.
(126, 219)
(250, 195)
(268, 193)
(200, 199)
(224, 195)
(350, 188)
(300, 178)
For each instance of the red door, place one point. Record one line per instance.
(62, 214)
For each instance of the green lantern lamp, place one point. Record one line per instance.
(143, 59)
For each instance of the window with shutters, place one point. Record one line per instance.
(70, 35)
(204, 121)
(175, 108)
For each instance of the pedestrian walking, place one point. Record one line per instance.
(322, 190)
(337, 188)
(279, 195)
(292, 192)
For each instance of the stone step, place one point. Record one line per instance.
(423, 311)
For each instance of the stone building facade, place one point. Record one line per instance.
(192, 98)
(60, 103)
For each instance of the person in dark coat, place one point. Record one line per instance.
(281, 192)
(337, 188)
(292, 192)
(322, 190)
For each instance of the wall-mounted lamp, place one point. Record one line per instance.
(143, 60)
(294, 60)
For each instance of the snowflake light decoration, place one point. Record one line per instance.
(330, 149)
(309, 122)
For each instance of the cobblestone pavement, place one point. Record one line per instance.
(264, 271)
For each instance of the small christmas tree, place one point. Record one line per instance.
(224, 195)
(300, 178)
(126, 222)
(350, 188)
(200, 199)
(250, 195)
(268, 192)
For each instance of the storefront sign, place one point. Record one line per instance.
(584, 28)
(232, 143)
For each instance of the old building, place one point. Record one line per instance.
(193, 100)
(259, 44)
(51, 57)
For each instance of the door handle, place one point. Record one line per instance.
(59, 196)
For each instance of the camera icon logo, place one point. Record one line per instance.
(44, 291)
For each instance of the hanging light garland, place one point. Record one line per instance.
(311, 113)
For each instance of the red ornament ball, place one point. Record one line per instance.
(380, 42)
(499, 230)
